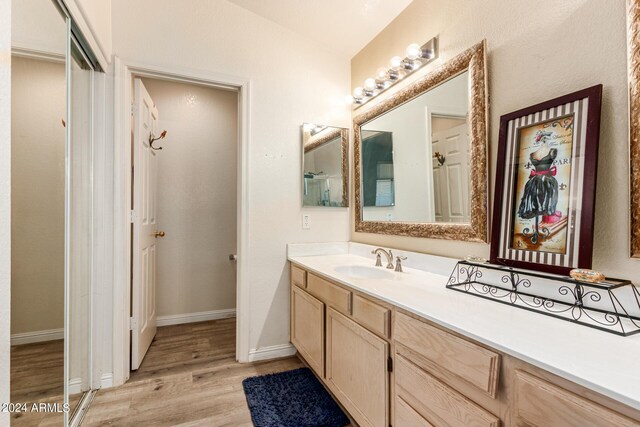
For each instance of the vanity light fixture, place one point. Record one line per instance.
(416, 56)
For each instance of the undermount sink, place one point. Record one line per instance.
(364, 272)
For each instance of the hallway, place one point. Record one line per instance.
(189, 378)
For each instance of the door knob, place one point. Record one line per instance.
(157, 234)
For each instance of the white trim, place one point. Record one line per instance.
(24, 51)
(106, 380)
(121, 223)
(203, 316)
(124, 71)
(77, 12)
(67, 228)
(272, 352)
(243, 297)
(37, 336)
(102, 224)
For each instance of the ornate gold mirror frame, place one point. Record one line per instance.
(633, 63)
(472, 60)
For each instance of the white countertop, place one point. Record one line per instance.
(601, 361)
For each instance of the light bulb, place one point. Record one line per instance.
(370, 84)
(357, 92)
(381, 74)
(396, 62)
(414, 51)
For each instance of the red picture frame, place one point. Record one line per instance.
(544, 198)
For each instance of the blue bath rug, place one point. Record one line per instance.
(291, 399)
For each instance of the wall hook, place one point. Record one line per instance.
(153, 139)
(439, 157)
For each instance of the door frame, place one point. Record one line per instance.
(444, 112)
(125, 70)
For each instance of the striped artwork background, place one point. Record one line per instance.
(570, 257)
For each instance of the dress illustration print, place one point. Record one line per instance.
(540, 195)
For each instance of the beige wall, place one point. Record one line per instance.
(37, 25)
(5, 202)
(537, 50)
(196, 197)
(37, 210)
(97, 14)
(293, 80)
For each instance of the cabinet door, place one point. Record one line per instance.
(307, 328)
(357, 370)
(540, 403)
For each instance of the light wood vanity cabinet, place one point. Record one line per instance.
(541, 403)
(476, 365)
(438, 377)
(333, 295)
(448, 380)
(356, 370)
(341, 336)
(307, 328)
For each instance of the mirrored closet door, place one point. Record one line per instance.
(38, 175)
(52, 210)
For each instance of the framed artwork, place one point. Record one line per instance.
(545, 184)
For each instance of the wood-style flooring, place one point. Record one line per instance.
(37, 375)
(189, 378)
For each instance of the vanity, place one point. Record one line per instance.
(400, 349)
(395, 345)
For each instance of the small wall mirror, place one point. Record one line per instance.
(325, 166)
(420, 156)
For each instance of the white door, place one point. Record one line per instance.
(145, 183)
(451, 179)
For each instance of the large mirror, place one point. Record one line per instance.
(38, 144)
(420, 157)
(52, 82)
(325, 166)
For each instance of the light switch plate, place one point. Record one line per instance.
(306, 222)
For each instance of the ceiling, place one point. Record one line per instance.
(343, 26)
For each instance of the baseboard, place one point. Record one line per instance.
(37, 336)
(178, 319)
(106, 380)
(273, 352)
(75, 385)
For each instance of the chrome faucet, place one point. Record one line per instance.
(388, 255)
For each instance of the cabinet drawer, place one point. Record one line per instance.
(298, 276)
(371, 315)
(435, 401)
(406, 416)
(474, 364)
(307, 328)
(540, 403)
(329, 293)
